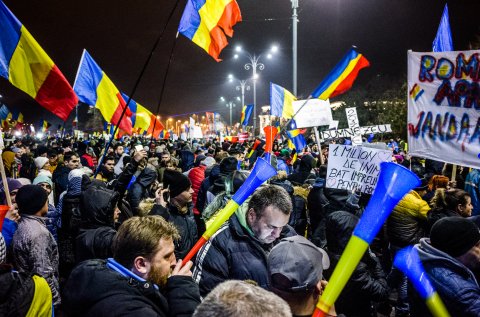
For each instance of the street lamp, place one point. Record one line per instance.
(231, 105)
(255, 64)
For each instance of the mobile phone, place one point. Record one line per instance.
(138, 148)
(166, 194)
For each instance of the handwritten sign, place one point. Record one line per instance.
(355, 167)
(347, 133)
(315, 113)
(444, 106)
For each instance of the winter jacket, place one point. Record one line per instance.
(35, 251)
(472, 184)
(24, 294)
(304, 172)
(298, 217)
(406, 225)
(187, 159)
(96, 289)
(317, 203)
(196, 177)
(97, 205)
(207, 182)
(185, 224)
(232, 253)
(60, 180)
(436, 214)
(139, 190)
(367, 283)
(453, 281)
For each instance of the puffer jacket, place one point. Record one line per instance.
(368, 282)
(185, 224)
(406, 225)
(95, 289)
(232, 253)
(140, 188)
(453, 281)
(94, 240)
(35, 251)
(196, 177)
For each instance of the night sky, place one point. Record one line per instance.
(120, 35)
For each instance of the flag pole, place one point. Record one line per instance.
(134, 89)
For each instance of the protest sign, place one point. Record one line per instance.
(355, 167)
(348, 133)
(353, 123)
(315, 113)
(444, 106)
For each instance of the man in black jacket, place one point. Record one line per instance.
(240, 248)
(142, 279)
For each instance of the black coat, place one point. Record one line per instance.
(185, 224)
(95, 290)
(233, 254)
(367, 283)
(139, 190)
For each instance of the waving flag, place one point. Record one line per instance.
(26, 65)
(143, 120)
(281, 101)
(297, 139)
(44, 125)
(341, 78)
(93, 87)
(443, 40)
(207, 22)
(246, 114)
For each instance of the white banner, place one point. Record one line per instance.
(348, 133)
(355, 167)
(314, 114)
(444, 106)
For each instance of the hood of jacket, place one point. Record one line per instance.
(431, 256)
(339, 228)
(97, 205)
(147, 177)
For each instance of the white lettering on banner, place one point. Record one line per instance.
(355, 167)
(347, 133)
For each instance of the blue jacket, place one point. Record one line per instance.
(454, 282)
(472, 184)
(232, 253)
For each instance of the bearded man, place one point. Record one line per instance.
(143, 278)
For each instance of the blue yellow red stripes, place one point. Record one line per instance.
(416, 92)
(26, 65)
(281, 101)
(93, 87)
(246, 114)
(143, 120)
(341, 78)
(207, 22)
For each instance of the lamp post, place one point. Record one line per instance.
(241, 87)
(176, 127)
(294, 44)
(231, 105)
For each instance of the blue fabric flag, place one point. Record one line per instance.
(443, 40)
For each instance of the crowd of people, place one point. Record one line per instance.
(91, 233)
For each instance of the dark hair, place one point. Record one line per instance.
(140, 236)
(270, 195)
(68, 156)
(450, 198)
(108, 158)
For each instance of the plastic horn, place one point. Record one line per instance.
(408, 262)
(394, 181)
(255, 145)
(261, 172)
(270, 134)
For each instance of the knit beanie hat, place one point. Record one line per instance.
(228, 165)
(454, 235)
(40, 161)
(30, 199)
(42, 178)
(176, 182)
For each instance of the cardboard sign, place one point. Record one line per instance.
(355, 167)
(444, 106)
(315, 113)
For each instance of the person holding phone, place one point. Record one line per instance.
(173, 201)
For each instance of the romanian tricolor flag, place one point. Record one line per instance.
(297, 139)
(143, 120)
(281, 101)
(93, 87)
(206, 22)
(246, 114)
(416, 92)
(44, 125)
(341, 78)
(26, 65)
